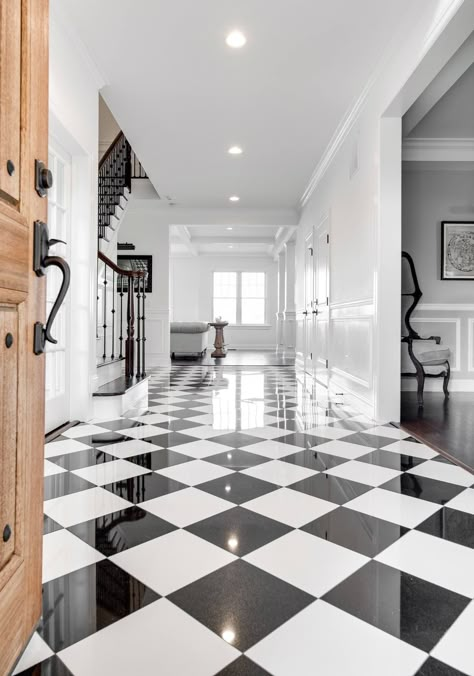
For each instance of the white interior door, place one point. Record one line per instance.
(309, 296)
(321, 306)
(58, 356)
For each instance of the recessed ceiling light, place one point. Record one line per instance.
(229, 228)
(234, 198)
(230, 246)
(235, 150)
(236, 39)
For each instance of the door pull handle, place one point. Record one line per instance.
(42, 261)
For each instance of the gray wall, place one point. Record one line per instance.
(429, 197)
(431, 194)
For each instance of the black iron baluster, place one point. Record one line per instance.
(139, 329)
(130, 343)
(121, 318)
(104, 325)
(112, 356)
(143, 328)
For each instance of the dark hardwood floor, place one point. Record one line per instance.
(238, 358)
(445, 424)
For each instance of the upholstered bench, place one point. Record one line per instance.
(188, 338)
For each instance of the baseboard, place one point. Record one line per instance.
(436, 385)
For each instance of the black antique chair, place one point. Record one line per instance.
(429, 358)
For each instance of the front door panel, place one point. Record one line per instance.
(23, 138)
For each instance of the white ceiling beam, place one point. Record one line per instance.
(452, 71)
(285, 236)
(183, 234)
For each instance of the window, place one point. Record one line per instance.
(239, 297)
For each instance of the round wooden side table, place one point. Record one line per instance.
(219, 340)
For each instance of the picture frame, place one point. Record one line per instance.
(457, 250)
(136, 262)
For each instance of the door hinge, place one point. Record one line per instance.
(310, 355)
(327, 300)
(327, 239)
(311, 251)
(327, 363)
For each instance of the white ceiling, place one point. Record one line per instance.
(213, 240)
(183, 97)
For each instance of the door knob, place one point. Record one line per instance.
(42, 260)
(43, 178)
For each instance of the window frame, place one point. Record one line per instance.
(238, 298)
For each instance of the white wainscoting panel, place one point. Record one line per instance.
(351, 350)
(157, 338)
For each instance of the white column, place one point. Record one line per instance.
(281, 301)
(290, 289)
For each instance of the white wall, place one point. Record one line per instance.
(365, 243)
(73, 101)
(146, 226)
(191, 296)
(431, 195)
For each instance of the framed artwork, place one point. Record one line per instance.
(133, 262)
(457, 250)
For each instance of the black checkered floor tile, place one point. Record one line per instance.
(240, 525)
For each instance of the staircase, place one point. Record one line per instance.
(121, 293)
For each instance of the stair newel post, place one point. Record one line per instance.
(114, 291)
(139, 328)
(104, 313)
(143, 327)
(121, 318)
(130, 342)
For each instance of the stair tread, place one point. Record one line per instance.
(119, 386)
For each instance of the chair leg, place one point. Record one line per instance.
(421, 386)
(446, 379)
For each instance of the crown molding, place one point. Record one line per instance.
(438, 150)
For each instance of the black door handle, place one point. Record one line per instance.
(42, 261)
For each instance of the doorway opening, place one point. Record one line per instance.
(437, 350)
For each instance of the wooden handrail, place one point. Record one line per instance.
(110, 148)
(117, 269)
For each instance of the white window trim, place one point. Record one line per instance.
(239, 324)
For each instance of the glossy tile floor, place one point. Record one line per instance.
(239, 526)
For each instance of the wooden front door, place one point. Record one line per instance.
(23, 138)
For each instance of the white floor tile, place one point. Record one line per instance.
(195, 472)
(50, 468)
(291, 507)
(153, 418)
(200, 449)
(456, 647)
(63, 552)
(109, 472)
(439, 561)
(83, 506)
(443, 471)
(185, 507)
(128, 449)
(63, 447)
(389, 432)
(364, 473)
(160, 638)
(279, 473)
(272, 449)
(84, 431)
(160, 408)
(464, 501)
(172, 561)
(307, 562)
(325, 640)
(410, 448)
(344, 449)
(401, 509)
(36, 651)
(141, 432)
